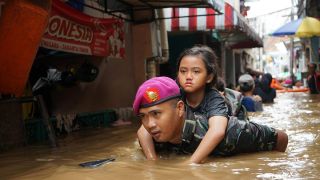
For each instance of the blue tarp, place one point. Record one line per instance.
(288, 29)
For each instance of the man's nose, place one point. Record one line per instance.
(151, 122)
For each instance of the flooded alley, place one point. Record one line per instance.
(296, 113)
(71, 73)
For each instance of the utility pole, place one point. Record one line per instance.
(291, 62)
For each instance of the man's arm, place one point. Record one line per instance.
(146, 143)
(216, 132)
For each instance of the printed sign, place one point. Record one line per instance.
(72, 31)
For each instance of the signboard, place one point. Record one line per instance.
(72, 31)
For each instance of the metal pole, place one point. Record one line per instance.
(46, 120)
(292, 45)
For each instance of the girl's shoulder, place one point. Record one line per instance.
(215, 104)
(212, 91)
(213, 98)
(213, 94)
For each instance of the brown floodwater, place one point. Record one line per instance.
(296, 113)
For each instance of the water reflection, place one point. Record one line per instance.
(296, 113)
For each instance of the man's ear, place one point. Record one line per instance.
(209, 78)
(180, 106)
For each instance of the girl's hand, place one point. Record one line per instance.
(146, 143)
(215, 133)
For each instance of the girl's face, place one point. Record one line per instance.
(192, 74)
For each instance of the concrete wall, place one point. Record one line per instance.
(118, 79)
(116, 83)
(141, 50)
(12, 132)
(114, 87)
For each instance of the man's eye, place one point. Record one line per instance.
(155, 113)
(140, 116)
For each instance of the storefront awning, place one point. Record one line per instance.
(141, 11)
(231, 25)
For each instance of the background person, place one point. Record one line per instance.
(264, 90)
(251, 102)
(313, 79)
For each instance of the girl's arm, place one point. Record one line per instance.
(216, 132)
(146, 143)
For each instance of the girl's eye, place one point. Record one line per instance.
(182, 71)
(196, 72)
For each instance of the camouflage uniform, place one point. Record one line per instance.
(241, 135)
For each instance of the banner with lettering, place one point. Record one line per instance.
(72, 31)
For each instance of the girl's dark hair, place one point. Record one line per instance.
(220, 85)
(208, 57)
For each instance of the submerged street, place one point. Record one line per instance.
(296, 113)
(73, 73)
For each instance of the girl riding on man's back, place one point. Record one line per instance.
(197, 75)
(213, 131)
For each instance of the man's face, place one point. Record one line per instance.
(163, 121)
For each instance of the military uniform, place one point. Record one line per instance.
(241, 135)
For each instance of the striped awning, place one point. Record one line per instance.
(231, 25)
(143, 11)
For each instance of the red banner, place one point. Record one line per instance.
(72, 31)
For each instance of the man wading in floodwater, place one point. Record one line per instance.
(167, 124)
